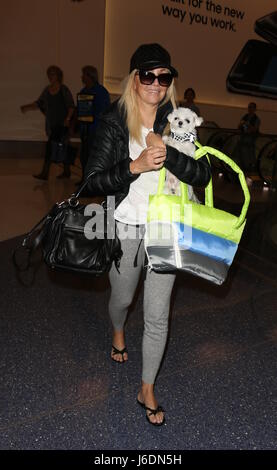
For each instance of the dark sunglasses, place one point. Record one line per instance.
(147, 78)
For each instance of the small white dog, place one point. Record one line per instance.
(182, 135)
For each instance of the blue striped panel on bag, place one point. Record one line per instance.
(207, 244)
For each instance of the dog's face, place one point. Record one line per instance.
(183, 120)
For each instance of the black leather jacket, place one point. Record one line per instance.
(109, 157)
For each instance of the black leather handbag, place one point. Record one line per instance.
(70, 241)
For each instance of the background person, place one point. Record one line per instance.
(89, 110)
(249, 126)
(126, 153)
(189, 97)
(57, 104)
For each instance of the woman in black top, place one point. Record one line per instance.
(127, 154)
(57, 104)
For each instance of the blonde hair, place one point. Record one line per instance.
(128, 103)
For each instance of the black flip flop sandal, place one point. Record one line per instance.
(152, 412)
(117, 351)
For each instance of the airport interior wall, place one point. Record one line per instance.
(203, 37)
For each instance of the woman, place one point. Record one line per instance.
(127, 153)
(57, 104)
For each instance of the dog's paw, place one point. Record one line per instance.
(172, 183)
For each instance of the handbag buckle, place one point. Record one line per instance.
(73, 201)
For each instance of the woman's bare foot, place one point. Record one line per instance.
(146, 397)
(119, 344)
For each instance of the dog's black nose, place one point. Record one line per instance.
(180, 123)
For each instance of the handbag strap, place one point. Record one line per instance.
(200, 152)
(79, 191)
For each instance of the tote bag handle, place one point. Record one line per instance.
(200, 152)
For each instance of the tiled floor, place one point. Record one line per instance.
(29, 198)
(60, 390)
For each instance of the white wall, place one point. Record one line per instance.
(202, 54)
(35, 34)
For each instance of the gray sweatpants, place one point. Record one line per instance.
(156, 302)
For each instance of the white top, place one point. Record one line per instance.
(133, 209)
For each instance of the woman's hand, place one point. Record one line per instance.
(24, 108)
(151, 158)
(153, 139)
(28, 107)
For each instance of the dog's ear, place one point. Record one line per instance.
(170, 117)
(198, 121)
